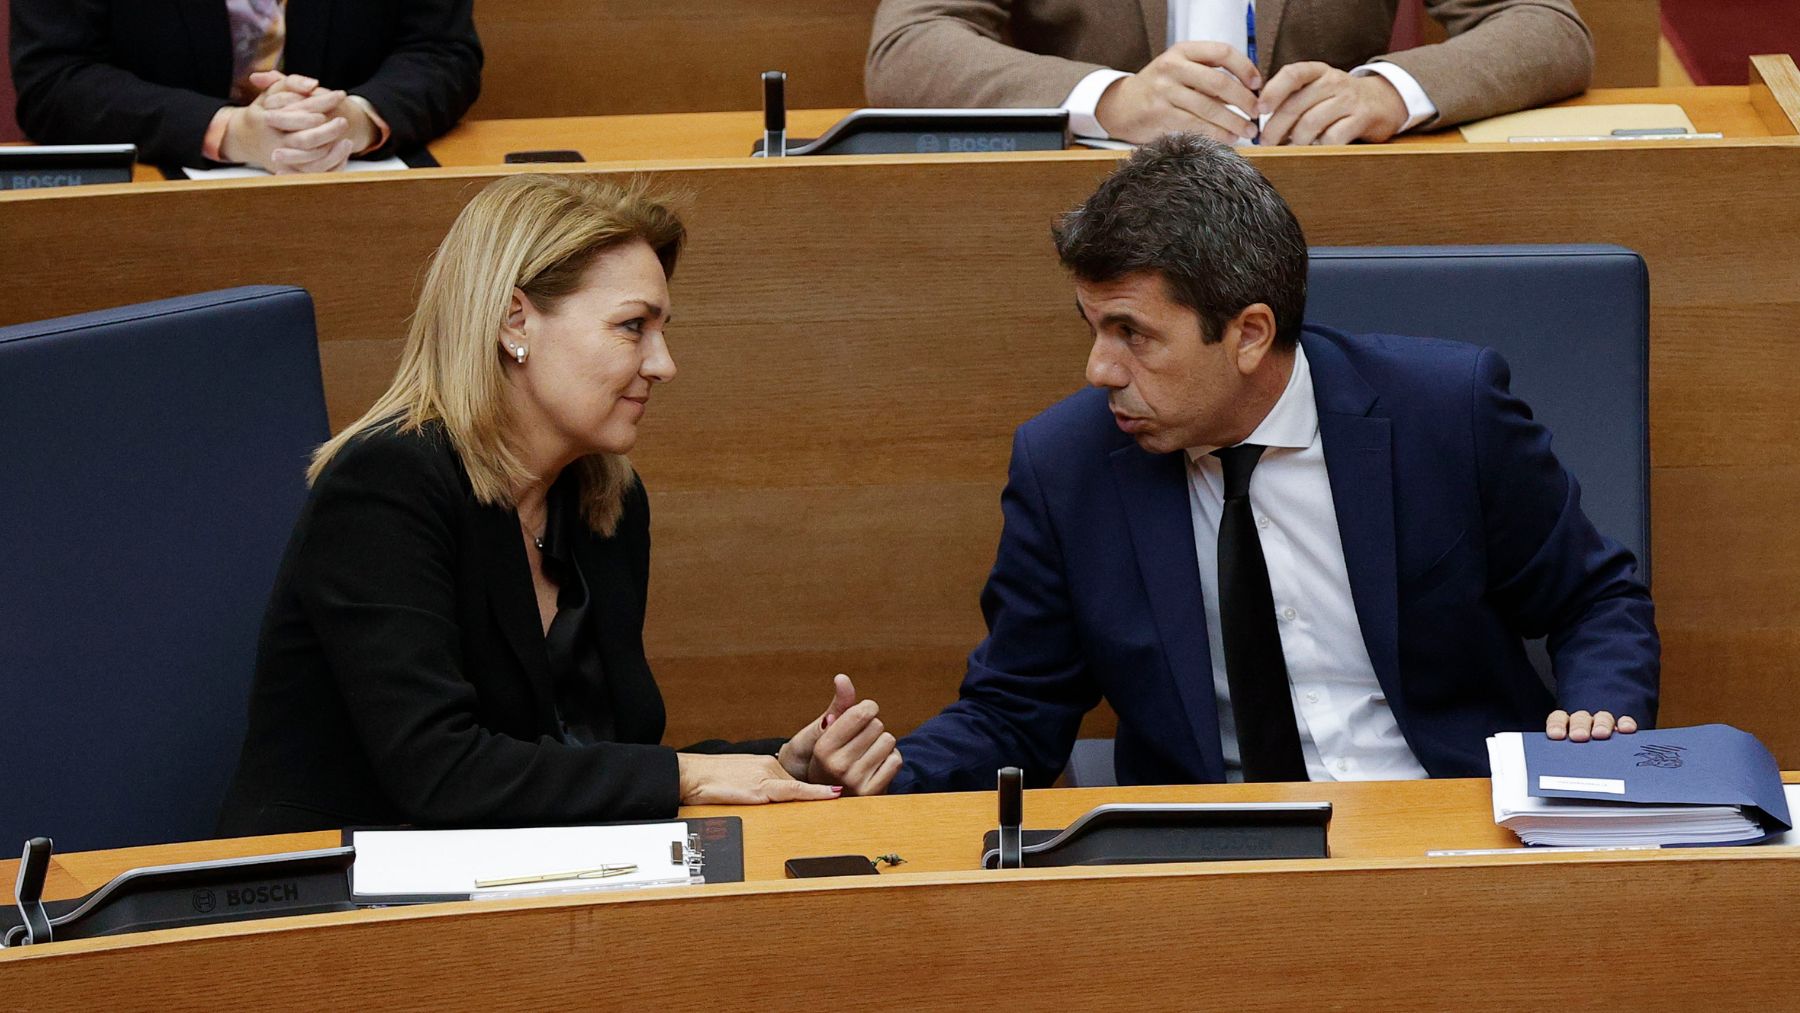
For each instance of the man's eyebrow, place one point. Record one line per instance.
(1122, 317)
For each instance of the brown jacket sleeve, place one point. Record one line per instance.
(951, 54)
(1502, 56)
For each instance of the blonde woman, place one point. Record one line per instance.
(455, 636)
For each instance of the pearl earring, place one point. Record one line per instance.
(519, 352)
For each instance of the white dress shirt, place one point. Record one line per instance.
(1223, 21)
(1347, 729)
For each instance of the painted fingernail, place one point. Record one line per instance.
(837, 789)
(825, 722)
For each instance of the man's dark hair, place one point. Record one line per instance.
(1200, 215)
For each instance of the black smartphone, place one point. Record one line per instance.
(829, 865)
(561, 155)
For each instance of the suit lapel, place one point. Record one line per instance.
(1156, 26)
(1359, 458)
(1268, 24)
(1153, 490)
(209, 39)
(308, 32)
(513, 600)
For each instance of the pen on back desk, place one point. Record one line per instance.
(602, 872)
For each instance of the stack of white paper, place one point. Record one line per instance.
(395, 866)
(1576, 822)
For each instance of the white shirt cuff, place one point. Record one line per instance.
(1085, 99)
(1419, 107)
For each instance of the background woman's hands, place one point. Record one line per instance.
(847, 746)
(294, 125)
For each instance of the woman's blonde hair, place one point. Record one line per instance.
(537, 233)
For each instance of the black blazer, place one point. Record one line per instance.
(153, 72)
(402, 676)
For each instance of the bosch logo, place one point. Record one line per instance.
(205, 902)
(273, 893)
(984, 144)
(929, 144)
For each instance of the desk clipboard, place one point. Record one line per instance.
(715, 854)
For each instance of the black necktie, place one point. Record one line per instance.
(1255, 671)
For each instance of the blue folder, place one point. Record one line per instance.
(1702, 765)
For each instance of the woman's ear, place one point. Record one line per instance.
(517, 305)
(513, 327)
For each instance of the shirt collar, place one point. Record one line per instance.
(1293, 422)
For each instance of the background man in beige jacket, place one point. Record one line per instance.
(1135, 69)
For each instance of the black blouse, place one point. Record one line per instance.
(573, 640)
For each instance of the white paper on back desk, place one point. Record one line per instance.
(399, 866)
(1581, 822)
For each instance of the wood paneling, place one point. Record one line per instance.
(858, 337)
(613, 57)
(1377, 925)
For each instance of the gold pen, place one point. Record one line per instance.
(603, 872)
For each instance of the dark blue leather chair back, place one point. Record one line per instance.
(1573, 322)
(151, 468)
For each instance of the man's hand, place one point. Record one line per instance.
(1581, 726)
(847, 746)
(1315, 103)
(1187, 88)
(293, 125)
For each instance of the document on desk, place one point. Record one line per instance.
(417, 866)
(1580, 122)
(247, 172)
(1670, 787)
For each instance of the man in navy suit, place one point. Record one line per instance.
(1279, 552)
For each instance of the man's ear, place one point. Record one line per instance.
(1250, 337)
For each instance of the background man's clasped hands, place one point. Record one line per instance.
(295, 125)
(1193, 86)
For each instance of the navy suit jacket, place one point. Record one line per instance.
(1462, 534)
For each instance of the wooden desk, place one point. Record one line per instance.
(825, 473)
(1725, 110)
(1376, 924)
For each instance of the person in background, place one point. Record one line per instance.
(1317, 72)
(283, 85)
(455, 636)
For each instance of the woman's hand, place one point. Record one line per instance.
(743, 779)
(847, 746)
